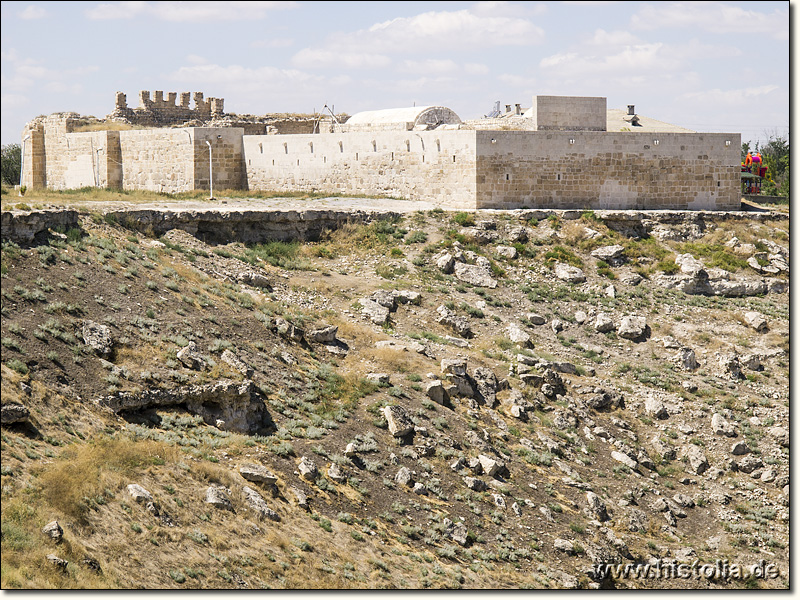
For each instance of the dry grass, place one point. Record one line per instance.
(88, 470)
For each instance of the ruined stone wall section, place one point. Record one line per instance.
(434, 166)
(161, 112)
(608, 170)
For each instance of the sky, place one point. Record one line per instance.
(709, 66)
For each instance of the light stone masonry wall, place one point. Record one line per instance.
(607, 170)
(160, 160)
(434, 166)
(569, 113)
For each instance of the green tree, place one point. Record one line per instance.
(775, 154)
(11, 166)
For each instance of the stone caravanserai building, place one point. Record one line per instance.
(562, 152)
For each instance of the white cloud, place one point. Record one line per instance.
(476, 69)
(187, 11)
(10, 101)
(196, 59)
(515, 80)
(424, 33)
(21, 74)
(613, 38)
(33, 12)
(741, 97)
(273, 43)
(323, 58)
(428, 67)
(714, 17)
(631, 60)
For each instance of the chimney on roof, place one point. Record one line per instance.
(631, 110)
(518, 110)
(508, 108)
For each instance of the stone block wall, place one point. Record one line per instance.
(607, 170)
(160, 160)
(434, 166)
(227, 159)
(569, 113)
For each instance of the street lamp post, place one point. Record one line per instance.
(210, 172)
(97, 166)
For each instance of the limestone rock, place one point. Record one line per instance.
(139, 494)
(54, 531)
(258, 505)
(475, 484)
(257, 474)
(289, 331)
(382, 379)
(191, 358)
(236, 363)
(686, 359)
(98, 338)
(632, 327)
(563, 546)
(457, 323)
(490, 466)
(336, 474)
(459, 534)
(301, 497)
(308, 469)
(780, 435)
(655, 408)
(698, 463)
(400, 424)
(757, 321)
(13, 413)
(404, 477)
(326, 335)
(445, 262)
(624, 459)
(376, 313)
(749, 464)
(508, 252)
(604, 323)
(476, 275)
(568, 273)
(518, 335)
(597, 507)
(435, 391)
(613, 255)
(720, 426)
(218, 496)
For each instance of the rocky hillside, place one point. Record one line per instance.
(431, 401)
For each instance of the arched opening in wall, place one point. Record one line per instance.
(285, 148)
(374, 146)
